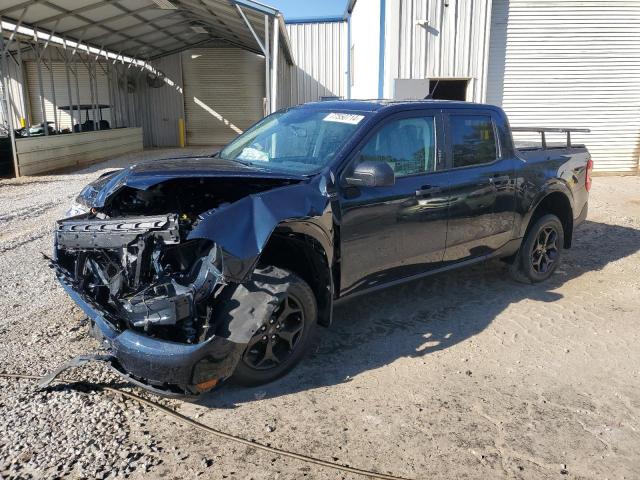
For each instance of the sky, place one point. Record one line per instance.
(297, 9)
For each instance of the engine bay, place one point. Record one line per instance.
(133, 257)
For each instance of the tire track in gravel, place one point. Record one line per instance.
(406, 399)
(31, 194)
(13, 244)
(28, 224)
(31, 211)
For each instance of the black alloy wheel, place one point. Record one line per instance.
(275, 342)
(544, 251)
(541, 250)
(283, 338)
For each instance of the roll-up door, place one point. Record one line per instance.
(224, 93)
(571, 63)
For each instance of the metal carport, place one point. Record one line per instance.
(125, 54)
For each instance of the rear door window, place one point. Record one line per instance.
(473, 140)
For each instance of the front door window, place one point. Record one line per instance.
(407, 145)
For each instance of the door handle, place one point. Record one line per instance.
(427, 190)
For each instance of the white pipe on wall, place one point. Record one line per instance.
(267, 66)
(274, 64)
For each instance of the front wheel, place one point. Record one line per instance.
(541, 250)
(281, 342)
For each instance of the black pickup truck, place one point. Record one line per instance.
(195, 270)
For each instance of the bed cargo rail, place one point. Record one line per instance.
(544, 130)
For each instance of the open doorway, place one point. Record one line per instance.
(448, 89)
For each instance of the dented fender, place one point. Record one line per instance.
(243, 228)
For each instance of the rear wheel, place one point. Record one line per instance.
(541, 250)
(281, 342)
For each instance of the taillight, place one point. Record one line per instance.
(587, 176)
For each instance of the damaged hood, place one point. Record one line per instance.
(147, 174)
(241, 227)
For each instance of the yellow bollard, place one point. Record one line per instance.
(181, 134)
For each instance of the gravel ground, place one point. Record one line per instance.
(464, 375)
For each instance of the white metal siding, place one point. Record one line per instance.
(365, 48)
(164, 106)
(126, 96)
(571, 63)
(62, 92)
(320, 55)
(223, 93)
(285, 73)
(497, 51)
(16, 91)
(430, 39)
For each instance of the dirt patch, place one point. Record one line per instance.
(465, 374)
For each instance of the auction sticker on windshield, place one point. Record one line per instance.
(351, 118)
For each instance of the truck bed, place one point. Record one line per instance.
(543, 150)
(537, 153)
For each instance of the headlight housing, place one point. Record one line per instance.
(76, 209)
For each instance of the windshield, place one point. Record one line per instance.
(295, 141)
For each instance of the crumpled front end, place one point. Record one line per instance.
(162, 263)
(150, 295)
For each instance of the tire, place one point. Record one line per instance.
(540, 252)
(293, 324)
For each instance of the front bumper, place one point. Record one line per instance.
(164, 367)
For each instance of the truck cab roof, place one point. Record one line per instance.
(376, 105)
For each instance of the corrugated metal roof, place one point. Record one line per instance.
(146, 29)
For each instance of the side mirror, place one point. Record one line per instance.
(372, 174)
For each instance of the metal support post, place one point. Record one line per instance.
(274, 65)
(267, 66)
(4, 66)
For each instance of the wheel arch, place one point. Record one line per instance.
(557, 202)
(305, 249)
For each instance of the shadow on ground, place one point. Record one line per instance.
(420, 317)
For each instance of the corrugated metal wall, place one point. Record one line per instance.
(572, 63)
(15, 79)
(497, 51)
(438, 39)
(224, 91)
(135, 102)
(57, 94)
(285, 72)
(164, 106)
(320, 55)
(364, 49)
(126, 96)
(117, 85)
